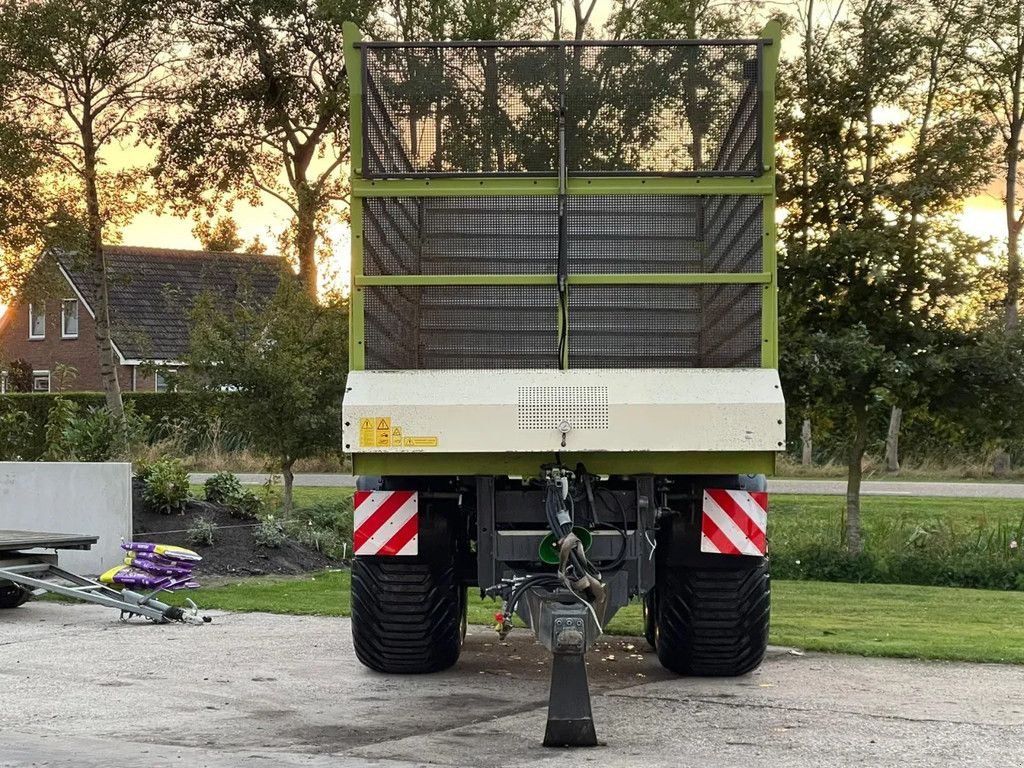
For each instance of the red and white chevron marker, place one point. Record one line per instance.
(734, 522)
(386, 523)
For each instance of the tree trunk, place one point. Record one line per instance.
(1012, 271)
(858, 444)
(289, 478)
(892, 440)
(305, 238)
(98, 264)
(807, 444)
(1013, 227)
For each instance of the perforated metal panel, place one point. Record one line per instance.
(461, 326)
(516, 326)
(442, 109)
(460, 235)
(550, 407)
(664, 326)
(470, 108)
(664, 234)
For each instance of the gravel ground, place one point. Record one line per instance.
(82, 690)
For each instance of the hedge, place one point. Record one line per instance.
(195, 410)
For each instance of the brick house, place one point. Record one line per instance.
(151, 293)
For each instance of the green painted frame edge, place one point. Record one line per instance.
(769, 257)
(356, 315)
(693, 278)
(603, 463)
(576, 186)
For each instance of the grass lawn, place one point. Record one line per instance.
(866, 619)
(819, 518)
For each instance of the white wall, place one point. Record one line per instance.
(71, 497)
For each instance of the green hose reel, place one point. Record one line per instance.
(549, 546)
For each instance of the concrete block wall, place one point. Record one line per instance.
(71, 497)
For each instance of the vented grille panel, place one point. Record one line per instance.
(549, 407)
(460, 235)
(665, 326)
(460, 326)
(689, 108)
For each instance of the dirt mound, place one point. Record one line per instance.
(235, 551)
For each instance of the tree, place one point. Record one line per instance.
(873, 260)
(265, 112)
(998, 63)
(286, 364)
(82, 73)
(219, 235)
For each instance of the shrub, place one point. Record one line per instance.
(15, 435)
(270, 533)
(74, 435)
(245, 505)
(143, 469)
(166, 488)
(325, 526)
(222, 488)
(201, 532)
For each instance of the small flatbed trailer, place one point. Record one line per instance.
(24, 574)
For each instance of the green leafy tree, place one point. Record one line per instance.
(286, 361)
(265, 112)
(81, 74)
(874, 262)
(998, 65)
(220, 234)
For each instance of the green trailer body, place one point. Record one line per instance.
(564, 348)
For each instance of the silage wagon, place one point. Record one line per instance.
(564, 387)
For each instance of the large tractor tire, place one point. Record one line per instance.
(712, 611)
(409, 613)
(12, 595)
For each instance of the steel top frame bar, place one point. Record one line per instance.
(474, 186)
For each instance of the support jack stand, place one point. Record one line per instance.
(567, 628)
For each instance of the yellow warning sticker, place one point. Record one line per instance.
(384, 432)
(379, 432)
(420, 442)
(367, 433)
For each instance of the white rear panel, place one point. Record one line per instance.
(520, 411)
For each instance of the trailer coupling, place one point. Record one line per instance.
(565, 611)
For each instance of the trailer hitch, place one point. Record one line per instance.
(565, 611)
(568, 628)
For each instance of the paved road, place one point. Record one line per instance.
(801, 487)
(82, 690)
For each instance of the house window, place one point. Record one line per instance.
(69, 319)
(161, 383)
(40, 381)
(37, 321)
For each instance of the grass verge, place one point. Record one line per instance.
(864, 619)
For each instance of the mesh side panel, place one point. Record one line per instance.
(390, 320)
(663, 108)
(391, 236)
(634, 234)
(664, 326)
(461, 235)
(461, 327)
(731, 326)
(732, 232)
(483, 109)
(467, 109)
